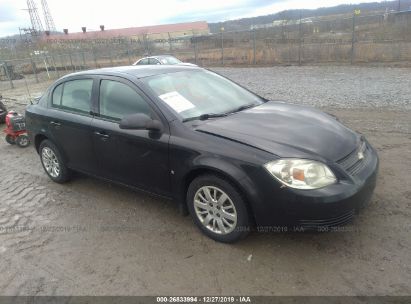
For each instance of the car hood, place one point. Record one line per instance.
(286, 130)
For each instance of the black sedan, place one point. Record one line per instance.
(231, 158)
(3, 111)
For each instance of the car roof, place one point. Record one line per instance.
(136, 71)
(159, 56)
(156, 57)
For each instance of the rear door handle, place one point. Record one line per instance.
(102, 134)
(56, 124)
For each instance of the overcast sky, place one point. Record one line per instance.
(73, 14)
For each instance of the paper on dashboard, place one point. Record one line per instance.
(176, 101)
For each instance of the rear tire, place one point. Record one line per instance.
(53, 163)
(10, 140)
(23, 141)
(218, 209)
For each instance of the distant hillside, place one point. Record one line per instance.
(246, 23)
(10, 39)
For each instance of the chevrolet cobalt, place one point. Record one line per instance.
(232, 159)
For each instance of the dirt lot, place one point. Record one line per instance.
(89, 237)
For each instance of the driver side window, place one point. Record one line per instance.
(118, 100)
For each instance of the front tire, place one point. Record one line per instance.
(53, 163)
(218, 209)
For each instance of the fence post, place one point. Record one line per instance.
(170, 43)
(84, 60)
(55, 68)
(222, 46)
(33, 66)
(128, 56)
(71, 62)
(299, 41)
(195, 50)
(148, 45)
(353, 38)
(254, 48)
(111, 57)
(93, 52)
(8, 75)
(46, 65)
(63, 62)
(144, 44)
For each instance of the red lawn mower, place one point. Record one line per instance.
(16, 130)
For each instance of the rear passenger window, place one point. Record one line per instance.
(74, 95)
(118, 100)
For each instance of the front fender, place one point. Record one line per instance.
(209, 165)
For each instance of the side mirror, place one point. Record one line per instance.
(140, 121)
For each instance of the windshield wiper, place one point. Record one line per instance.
(243, 107)
(205, 116)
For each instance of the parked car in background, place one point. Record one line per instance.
(3, 111)
(161, 59)
(230, 157)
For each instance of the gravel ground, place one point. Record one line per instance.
(342, 86)
(89, 237)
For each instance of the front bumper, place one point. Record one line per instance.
(319, 209)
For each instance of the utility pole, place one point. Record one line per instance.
(170, 45)
(222, 46)
(399, 5)
(352, 38)
(356, 12)
(34, 17)
(254, 48)
(47, 17)
(194, 43)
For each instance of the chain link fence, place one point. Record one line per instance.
(384, 38)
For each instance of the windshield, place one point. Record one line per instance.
(195, 93)
(169, 60)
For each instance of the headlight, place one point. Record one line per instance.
(301, 173)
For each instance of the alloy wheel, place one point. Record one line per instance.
(50, 162)
(215, 210)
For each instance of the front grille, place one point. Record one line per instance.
(352, 163)
(340, 220)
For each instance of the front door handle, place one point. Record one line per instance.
(55, 124)
(102, 134)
